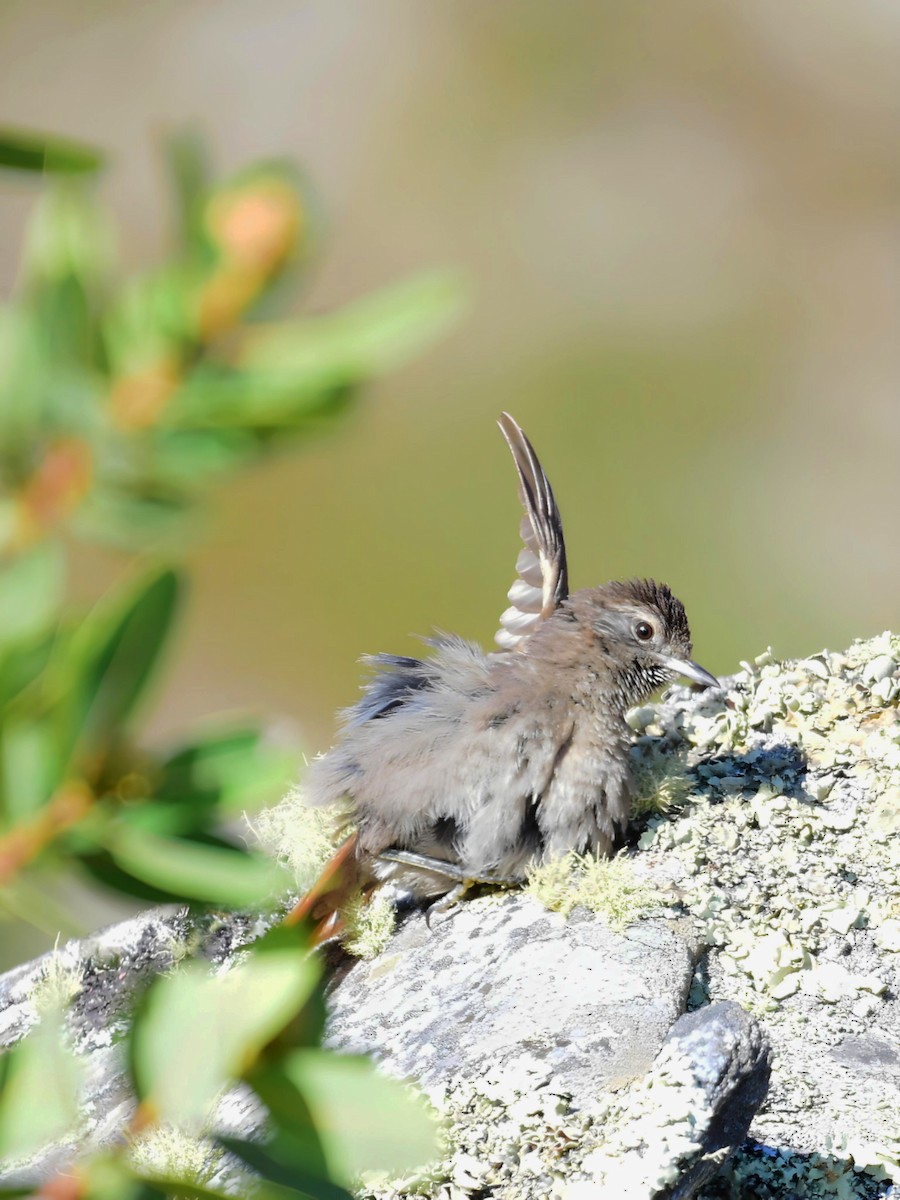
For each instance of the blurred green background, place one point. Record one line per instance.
(679, 225)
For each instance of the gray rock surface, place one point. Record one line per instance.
(502, 984)
(675, 1128)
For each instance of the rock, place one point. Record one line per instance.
(788, 861)
(687, 1115)
(501, 984)
(503, 1002)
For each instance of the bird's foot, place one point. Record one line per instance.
(448, 903)
(464, 880)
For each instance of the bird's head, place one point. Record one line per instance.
(641, 631)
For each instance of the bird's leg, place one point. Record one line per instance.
(441, 866)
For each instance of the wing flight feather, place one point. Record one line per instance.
(542, 579)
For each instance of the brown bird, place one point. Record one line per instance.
(465, 766)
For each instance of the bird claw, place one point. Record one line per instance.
(448, 902)
(464, 880)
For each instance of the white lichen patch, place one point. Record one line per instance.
(787, 857)
(609, 887)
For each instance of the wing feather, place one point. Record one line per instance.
(541, 566)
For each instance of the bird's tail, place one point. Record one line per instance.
(323, 902)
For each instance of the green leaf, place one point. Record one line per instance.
(116, 518)
(173, 1188)
(367, 338)
(214, 397)
(153, 321)
(197, 1032)
(30, 766)
(234, 769)
(365, 1120)
(39, 1097)
(46, 153)
(114, 655)
(23, 396)
(288, 372)
(68, 238)
(194, 870)
(285, 1162)
(100, 866)
(31, 592)
(66, 268)
(23, 666)
(191, 461)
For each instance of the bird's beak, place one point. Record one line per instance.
(690, 670)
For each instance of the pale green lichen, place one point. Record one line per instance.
(608, 887)
(164, 1152)
(823, 861)
(59, 984)
(304, 838)
(509, 1133)
(369, 923)
(661, 776)
(299, 836)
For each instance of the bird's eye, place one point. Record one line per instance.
(643, 631)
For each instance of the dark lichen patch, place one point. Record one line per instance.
(763, 1172)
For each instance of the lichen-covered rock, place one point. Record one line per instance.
(673, 1130)
(519, 1136)
(787, 858)
(501, 985)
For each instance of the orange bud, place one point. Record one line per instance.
(56, 487)
(257, 226)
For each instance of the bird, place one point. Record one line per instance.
(464, 766)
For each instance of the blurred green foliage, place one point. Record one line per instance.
(122, 402)
(330, 1118)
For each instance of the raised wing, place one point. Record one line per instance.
(542, 577)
